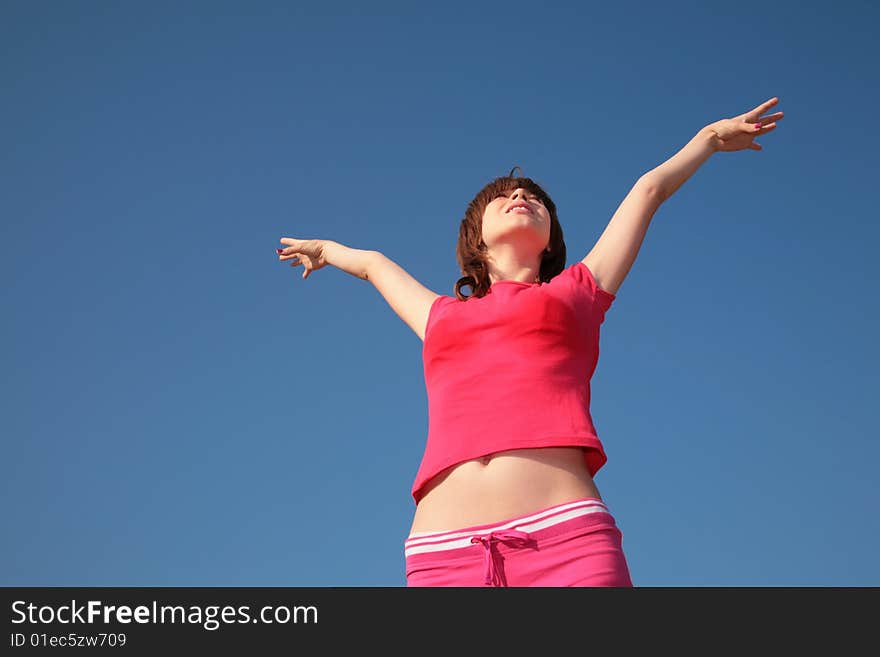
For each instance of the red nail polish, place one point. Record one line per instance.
(279, 250)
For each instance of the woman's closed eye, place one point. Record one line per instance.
(529, 198)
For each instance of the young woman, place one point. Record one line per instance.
(505, 493)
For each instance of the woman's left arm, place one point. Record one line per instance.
(733, 134)
(616, 249)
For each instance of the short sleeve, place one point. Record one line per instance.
(437, 307)
(582, 275)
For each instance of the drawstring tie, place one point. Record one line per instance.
(512, 536)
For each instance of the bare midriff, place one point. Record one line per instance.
(503, 485)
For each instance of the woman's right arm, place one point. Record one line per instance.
(407, 297)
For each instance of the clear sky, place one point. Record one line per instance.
(181, 409)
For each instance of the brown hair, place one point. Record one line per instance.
(471, 251)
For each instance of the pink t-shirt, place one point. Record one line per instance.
(512, 370)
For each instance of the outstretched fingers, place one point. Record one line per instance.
(288, 253)
(763, 107)
(755, 115)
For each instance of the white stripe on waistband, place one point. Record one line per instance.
(433, 541)
(418, 536)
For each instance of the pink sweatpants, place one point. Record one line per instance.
(572, 544)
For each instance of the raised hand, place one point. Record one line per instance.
(738, 133)
(308, 253)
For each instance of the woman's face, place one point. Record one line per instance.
(517, 217)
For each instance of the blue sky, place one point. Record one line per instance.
(181, 409)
